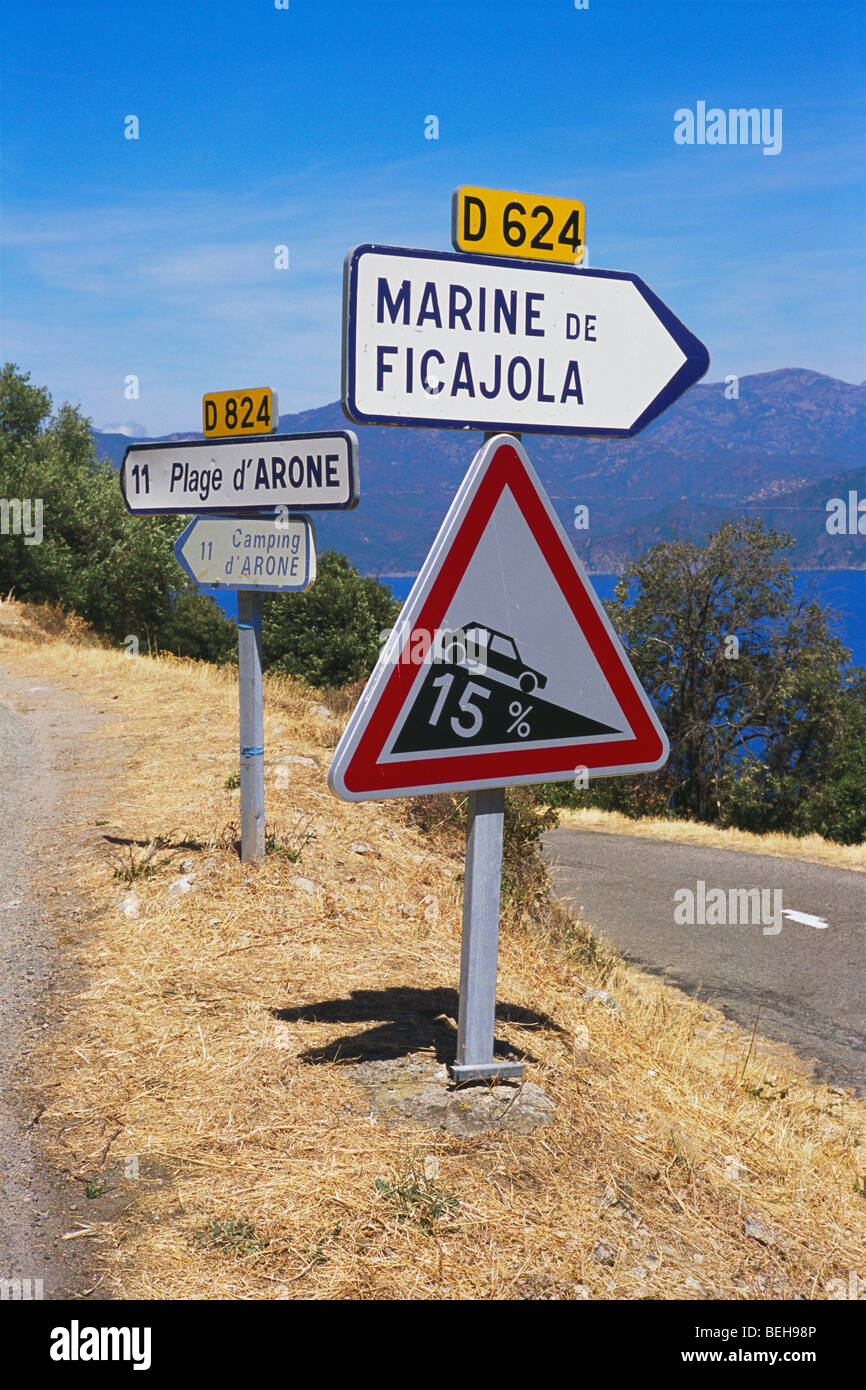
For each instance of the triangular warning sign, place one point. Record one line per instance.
(503, 667)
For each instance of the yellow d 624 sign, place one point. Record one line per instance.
(240, 412)
(495, 223)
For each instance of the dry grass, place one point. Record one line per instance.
(812, 848)
(46, 622)
(210, 1053)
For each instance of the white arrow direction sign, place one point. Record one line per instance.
(309, 472)
(431, 338)
(242, 552)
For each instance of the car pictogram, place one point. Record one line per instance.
(479, 645)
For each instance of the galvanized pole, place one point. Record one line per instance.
(479, 954)
(480, 949)
(252, 731)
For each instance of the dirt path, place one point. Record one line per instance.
(52, 769)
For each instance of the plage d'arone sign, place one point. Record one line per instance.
(307, 472)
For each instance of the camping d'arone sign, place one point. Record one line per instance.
(241, 552)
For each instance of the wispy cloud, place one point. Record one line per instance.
(182, 290)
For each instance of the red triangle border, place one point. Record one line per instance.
(364, 775)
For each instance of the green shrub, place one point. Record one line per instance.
(330, 635)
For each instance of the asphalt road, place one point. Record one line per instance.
(808, 978)
(39, 756)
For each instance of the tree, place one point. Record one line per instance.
(747, 679)
(823, 793)
(22, 407)
(198, 628)
(93, 558)
(331, 634)
(836, 804)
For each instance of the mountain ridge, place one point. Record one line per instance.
(777, 451)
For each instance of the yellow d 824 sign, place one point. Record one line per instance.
(495, 223)
(240, 412)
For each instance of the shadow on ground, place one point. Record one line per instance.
(160, 841)
(404, 1021)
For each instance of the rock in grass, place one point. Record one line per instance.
(306, 885)
(416, 1087)
(608, 1198)
(758, 1231)
(734, 1170)
(130, 906)
(601, 996)
(602, 1254)
(184, 884)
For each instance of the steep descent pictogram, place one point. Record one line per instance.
(503, 668)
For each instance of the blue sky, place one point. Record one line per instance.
(306, 127)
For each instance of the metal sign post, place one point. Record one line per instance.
(251, 555)
(479, 948)
(247, 534)
(252, 728)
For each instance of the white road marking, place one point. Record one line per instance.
(805, 919)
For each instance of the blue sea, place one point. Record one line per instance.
(842, 590)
